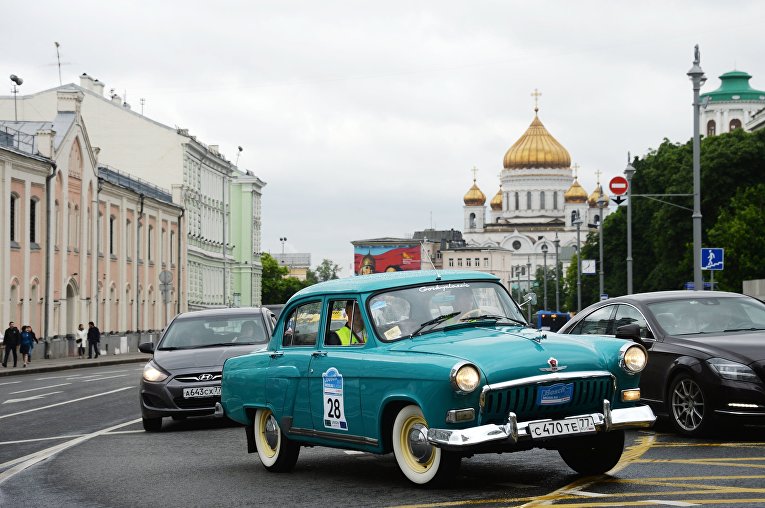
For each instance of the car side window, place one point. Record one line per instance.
(627, 315)
(302, 325)
(596, 323)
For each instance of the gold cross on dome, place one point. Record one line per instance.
(598, 173)
(475, 171)
(575, 167)
(536, 94)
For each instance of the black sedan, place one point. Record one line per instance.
(183, 377)
(706, 353)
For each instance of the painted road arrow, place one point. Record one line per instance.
(33, 397)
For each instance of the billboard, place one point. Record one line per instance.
(390, 258)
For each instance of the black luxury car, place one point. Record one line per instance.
(183, 377)
(706, 352)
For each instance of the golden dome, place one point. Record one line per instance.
(496, 201)
(537, 149)
(474, 196)
(575, 193)
(593, 199)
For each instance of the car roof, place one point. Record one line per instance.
(220, 312)
(387, 280)
(657, 296)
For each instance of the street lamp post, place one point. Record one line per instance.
(283, 239)
(578, 223)
(697, 77)
(602, 202)
(629, 172)
(556, 242)
(528, 281)
(545, 248)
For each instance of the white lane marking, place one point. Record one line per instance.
(10, 383)
(22, 463)
(141, 431)
(69, 402)
(105, 372)
(584, 493)
(68, 436)
(68, 376)
(33, 397)
(353, 452)
(670, 503)
(101, 378)
(41, 388)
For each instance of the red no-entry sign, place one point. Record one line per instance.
(618, 185)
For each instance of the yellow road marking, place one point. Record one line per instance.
(679, 444)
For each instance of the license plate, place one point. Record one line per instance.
(555, 428)
(202, 391)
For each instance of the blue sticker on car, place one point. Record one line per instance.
(555, 394)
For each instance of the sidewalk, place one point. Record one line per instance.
(54, 364)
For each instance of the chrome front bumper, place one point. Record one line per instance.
(513, 431)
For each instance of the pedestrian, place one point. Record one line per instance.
(93, 337)
(82, 340)
(27, 343)
(11, 339)
(35, 341)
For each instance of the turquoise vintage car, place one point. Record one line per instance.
(432, 366)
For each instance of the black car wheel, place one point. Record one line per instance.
(152, 424)
(687, 407)
(276, 451)
(591, 455)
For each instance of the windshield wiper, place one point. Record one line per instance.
(493, 317)
(434, 321)
(743, 329)
(217, 344)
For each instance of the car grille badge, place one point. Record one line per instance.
(553, 366)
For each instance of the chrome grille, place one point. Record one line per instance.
(522, 400)
(200, 377)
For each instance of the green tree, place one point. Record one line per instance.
(276, 286)
(327, 270)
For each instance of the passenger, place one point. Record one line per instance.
(248, 332)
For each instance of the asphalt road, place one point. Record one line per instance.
(74, 439)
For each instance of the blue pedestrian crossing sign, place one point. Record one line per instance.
(712, 259)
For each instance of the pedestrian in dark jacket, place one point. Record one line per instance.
(11, 339)
(94, 337)
(26, 344)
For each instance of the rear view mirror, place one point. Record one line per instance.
(630, 332)
(146, 347)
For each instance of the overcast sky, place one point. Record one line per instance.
(365, 118)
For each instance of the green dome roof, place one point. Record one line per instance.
(735, 87)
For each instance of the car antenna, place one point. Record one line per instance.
(430, 260)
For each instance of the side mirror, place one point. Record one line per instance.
(529, 298)
(630, 332)
(146, 347)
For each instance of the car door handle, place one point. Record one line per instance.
(277, 354)
(319, 353)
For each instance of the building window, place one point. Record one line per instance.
(451, 261)
(542, 200)
(517, 201)
(149, 242)
(555, 200)
(574, 216)
(14, 217)
(477, 262)
(459, 261)
(735, 124)
(111, 234)
(528, 200)
(32, 220)
(128, 239)
(516, 245)
(711, 128)
(467, 262)
(471, 224)
(486, 262)
(172, 241)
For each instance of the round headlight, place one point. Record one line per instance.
(153, 374)
(633, 358)
(465, 377)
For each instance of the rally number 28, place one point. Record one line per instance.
(333, 408)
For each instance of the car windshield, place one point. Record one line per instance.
(191, 333)
(709, 315)
(403, 313)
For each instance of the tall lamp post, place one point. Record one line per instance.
(578, 223)
(528, 281)
(697, 78)
(629, 172)
(545, 248)
(602, 202)
(283, 239)
(556, 242)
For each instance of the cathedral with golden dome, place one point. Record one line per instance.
(538, 201)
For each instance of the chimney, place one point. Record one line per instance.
(69, 101)
(98, 87)
(44, 140)
(86, 81)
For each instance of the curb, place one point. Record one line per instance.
(16, 371)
